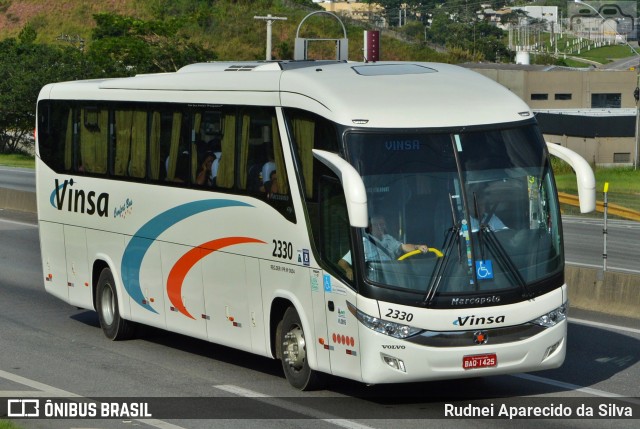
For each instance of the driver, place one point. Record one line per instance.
(379, 246)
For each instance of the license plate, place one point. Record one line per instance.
(479, 361)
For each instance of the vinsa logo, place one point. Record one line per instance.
(475, 320)
(66, 197)
(399, 145)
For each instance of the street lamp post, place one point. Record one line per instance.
(635, 159)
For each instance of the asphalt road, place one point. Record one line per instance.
(584, 243)
(21, 179)
(622, 64)
(50, 349)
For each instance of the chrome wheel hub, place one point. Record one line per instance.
(293, 347)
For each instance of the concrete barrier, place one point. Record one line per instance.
(22, 201)
(589, 288)
(609, 292)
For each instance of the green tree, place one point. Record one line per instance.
(125, 46)
(483, 40)
(25, 68)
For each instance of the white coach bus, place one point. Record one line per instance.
(274, 207)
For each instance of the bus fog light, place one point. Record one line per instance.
(551, 349)
(394, 363)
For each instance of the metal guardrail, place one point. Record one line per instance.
(613, 209)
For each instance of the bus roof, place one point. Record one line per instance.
(380, 95)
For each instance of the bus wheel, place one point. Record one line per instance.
(113, 326)
(294, 354)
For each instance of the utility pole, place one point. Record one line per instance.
(269, 20)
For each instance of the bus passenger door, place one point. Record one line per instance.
(323, 342)
(334, 244)
(342, 327)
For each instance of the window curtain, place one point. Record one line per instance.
(68, 143)
(138, 164)
(283, 185)
(227, 159)
(94, 141)
(154, 146)
(303, 132)
(244, 150)
(195, 136)
(175, 145)
(124, 119)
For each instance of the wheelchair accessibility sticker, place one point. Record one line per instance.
(484, 270)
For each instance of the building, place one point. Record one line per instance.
(369, 12)
(592, 112)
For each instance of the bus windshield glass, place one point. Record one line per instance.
(483, 201)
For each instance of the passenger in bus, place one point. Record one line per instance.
(271, 186)
(182, 168)
(216, 147)
(268, 168)
(379, 246)
(209, 137)
(204, 177)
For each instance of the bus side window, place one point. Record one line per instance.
(130, 140)
(178, 159)
(226, 164)
(310, 131)
(333, 237)
(282, 187)
(55, 134)
(94, 140)
(157, 171)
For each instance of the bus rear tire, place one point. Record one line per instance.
(293, 346)
(113, 325)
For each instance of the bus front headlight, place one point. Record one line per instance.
(553, 317)
(393, 329)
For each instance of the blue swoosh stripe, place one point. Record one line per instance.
(142, 240)
(52, 198)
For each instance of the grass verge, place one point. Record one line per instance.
(17, 160)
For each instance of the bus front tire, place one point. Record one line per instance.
(113, 325)
(294, 354)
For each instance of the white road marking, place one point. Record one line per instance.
(344, 423)
(575, 387)
(604, 325)
(239, 391)
(15, 222)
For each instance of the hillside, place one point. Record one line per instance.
(227, 27)
(55, 17)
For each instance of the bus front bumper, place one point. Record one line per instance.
(391, 360)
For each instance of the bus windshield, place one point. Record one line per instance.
(483, 201)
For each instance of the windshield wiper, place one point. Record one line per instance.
(436, 277)
(485, 233)
(452, 236)
(498, 250)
